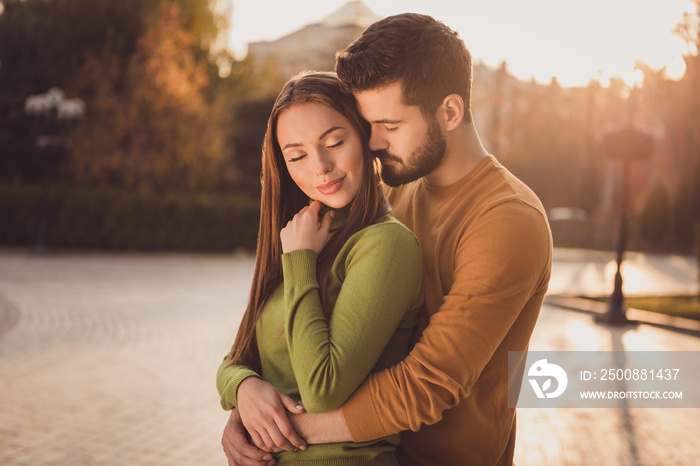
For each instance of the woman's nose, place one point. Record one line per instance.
(323, 164)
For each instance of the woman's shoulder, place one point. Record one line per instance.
(387, 227)
(387, 241)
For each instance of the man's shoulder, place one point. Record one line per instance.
(496, 198)
(489, 186)
(515, 190)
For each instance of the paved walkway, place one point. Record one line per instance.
(591, 273)
(110, 360)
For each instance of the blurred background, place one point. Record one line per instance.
(130, 136)
(172, 96)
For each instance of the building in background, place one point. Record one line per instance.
(546, 134)
(314, 46)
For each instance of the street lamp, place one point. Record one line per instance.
(623, 146)
(51, 114)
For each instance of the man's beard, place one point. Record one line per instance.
(422, 161)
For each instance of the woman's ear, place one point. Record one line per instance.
(452, 110)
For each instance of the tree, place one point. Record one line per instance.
(547, 144)
(137, 83)
(152, 126)
(250, 120)
(687, 205)
(686, 211)
(159, 110)
(688, 29)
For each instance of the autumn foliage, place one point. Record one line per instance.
(151, 125)
(159, 113)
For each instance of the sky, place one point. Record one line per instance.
(574, 41)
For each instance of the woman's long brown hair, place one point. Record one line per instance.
(282, 199)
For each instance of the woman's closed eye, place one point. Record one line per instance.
(337, 144)
(297, 158)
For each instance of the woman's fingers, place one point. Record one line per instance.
(290, 435)
(283, 423)
(291, 405)
(263, 412)
(326, 222)
(304, 232)
(258, 438)
(280, 441)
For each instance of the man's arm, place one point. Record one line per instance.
(327, 427)
(498, 266)
(316, 428)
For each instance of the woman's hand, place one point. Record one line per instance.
(263, 409)
(303, 231)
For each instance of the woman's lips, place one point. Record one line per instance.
(331, 187)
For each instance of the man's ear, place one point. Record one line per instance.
(452, 110)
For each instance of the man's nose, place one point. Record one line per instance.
(377, 141)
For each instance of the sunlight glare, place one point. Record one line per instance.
(538, 39)
(675, 68)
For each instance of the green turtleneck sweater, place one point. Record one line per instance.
(374, 291)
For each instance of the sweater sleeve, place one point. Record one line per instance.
(228, 378)
(499, 265)
(382, 281)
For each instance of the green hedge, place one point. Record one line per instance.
(125, 220)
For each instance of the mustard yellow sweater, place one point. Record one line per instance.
(487, 255)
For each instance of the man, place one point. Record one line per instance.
(487, 256)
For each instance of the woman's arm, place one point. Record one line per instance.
(228, 378)
(258, 405)
(262, 408)
(382, 281)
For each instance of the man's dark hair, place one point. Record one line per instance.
(429, 58)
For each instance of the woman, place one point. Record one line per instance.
(337, 282)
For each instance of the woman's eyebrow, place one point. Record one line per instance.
(329, 131)
(323, 135)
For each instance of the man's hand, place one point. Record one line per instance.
(263, 410)
(239, 452)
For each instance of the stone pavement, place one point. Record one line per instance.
(110, 359)
(591, 273)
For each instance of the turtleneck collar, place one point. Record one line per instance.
(340, 216)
